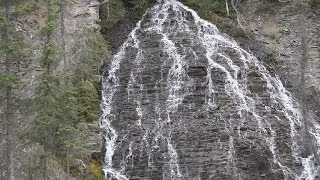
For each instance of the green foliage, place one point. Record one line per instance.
(12, 80)
(48, 55)
(49, 50)
(46, 105)
(217, 6)
(61, 104)
(2, 20)
(26, 7)
(314, 4)
(49, 28)
(3, 121)
(53, 9)
(91, 53)
(96, 168)
(56, 125)
(13, 46)
(3, 47)
(52, 16)
(89, 100)
(69, 135)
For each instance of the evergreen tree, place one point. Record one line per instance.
(56, 124)
(11, 48)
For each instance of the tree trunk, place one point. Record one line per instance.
(63, 44)
(9, 99)
(68, 166)
(43, 166)
(10, 145)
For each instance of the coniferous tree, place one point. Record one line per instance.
(11, 48)
(8, 79)
(56, 124)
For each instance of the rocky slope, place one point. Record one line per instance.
(183, 101)
(281, 28)
(273, 33)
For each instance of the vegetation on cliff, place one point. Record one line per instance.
(63, 102)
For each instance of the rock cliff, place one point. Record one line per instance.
(76, 27)
(181, 100)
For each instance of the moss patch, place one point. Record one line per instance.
(26, 7)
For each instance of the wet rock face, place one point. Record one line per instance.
(183, 101)
(286, 41)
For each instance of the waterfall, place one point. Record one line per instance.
(182, 100)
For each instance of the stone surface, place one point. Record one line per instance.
(183, 101)
(281, 29)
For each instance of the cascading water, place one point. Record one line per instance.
(181, 100)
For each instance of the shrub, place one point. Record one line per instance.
(314, 4)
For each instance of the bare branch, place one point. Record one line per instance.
(227, 8)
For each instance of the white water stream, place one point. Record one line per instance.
(261, 101)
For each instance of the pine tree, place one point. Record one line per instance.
(10, 79)
(56, 124)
